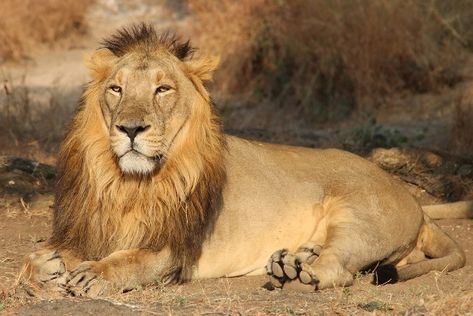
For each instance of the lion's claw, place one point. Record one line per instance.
(87, 280)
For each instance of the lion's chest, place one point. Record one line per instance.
(132, 232)
(117, 231)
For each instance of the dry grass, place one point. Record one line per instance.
(456, 303)
(33, 121)
(25, 24)
(330, 57)
(221, 298)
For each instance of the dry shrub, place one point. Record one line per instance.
(330, 56)
(27, 23)
(462, 127)
(33, 121)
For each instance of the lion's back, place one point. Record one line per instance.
(323, 172)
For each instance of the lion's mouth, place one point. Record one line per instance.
(133, 161)
(157, 158)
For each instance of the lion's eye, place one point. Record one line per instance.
(116, 89)
(162, 89)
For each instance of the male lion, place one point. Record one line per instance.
(150, 188)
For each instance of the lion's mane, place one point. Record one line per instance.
(99, 210)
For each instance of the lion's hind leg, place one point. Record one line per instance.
(333, 256)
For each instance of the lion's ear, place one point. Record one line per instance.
(100, 63)
(202, 68)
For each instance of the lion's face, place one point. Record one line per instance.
(144, 111)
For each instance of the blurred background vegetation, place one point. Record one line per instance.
(25, 24)
(333, 57)
(355, 74)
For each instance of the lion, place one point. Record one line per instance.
(150, 188)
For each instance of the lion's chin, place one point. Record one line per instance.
(136, 163)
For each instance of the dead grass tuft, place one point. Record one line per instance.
(25, 24)
(330, 57)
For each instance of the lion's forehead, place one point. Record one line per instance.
(132, 74)
(144, 66)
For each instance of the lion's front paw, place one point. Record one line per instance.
(88, 279)
(46, 268)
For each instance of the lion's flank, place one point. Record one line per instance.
(145, 38)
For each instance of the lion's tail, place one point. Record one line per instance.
(462, 209)
(443, 252)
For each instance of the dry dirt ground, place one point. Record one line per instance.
(25, 213)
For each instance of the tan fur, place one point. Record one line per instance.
(211, 205)
(100, 64)
(462, 209)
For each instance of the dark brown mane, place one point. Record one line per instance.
(145, 36)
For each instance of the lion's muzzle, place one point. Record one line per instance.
(134, 148)
(132, 130)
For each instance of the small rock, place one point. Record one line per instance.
(374, 305)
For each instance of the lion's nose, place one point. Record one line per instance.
(132, 130)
